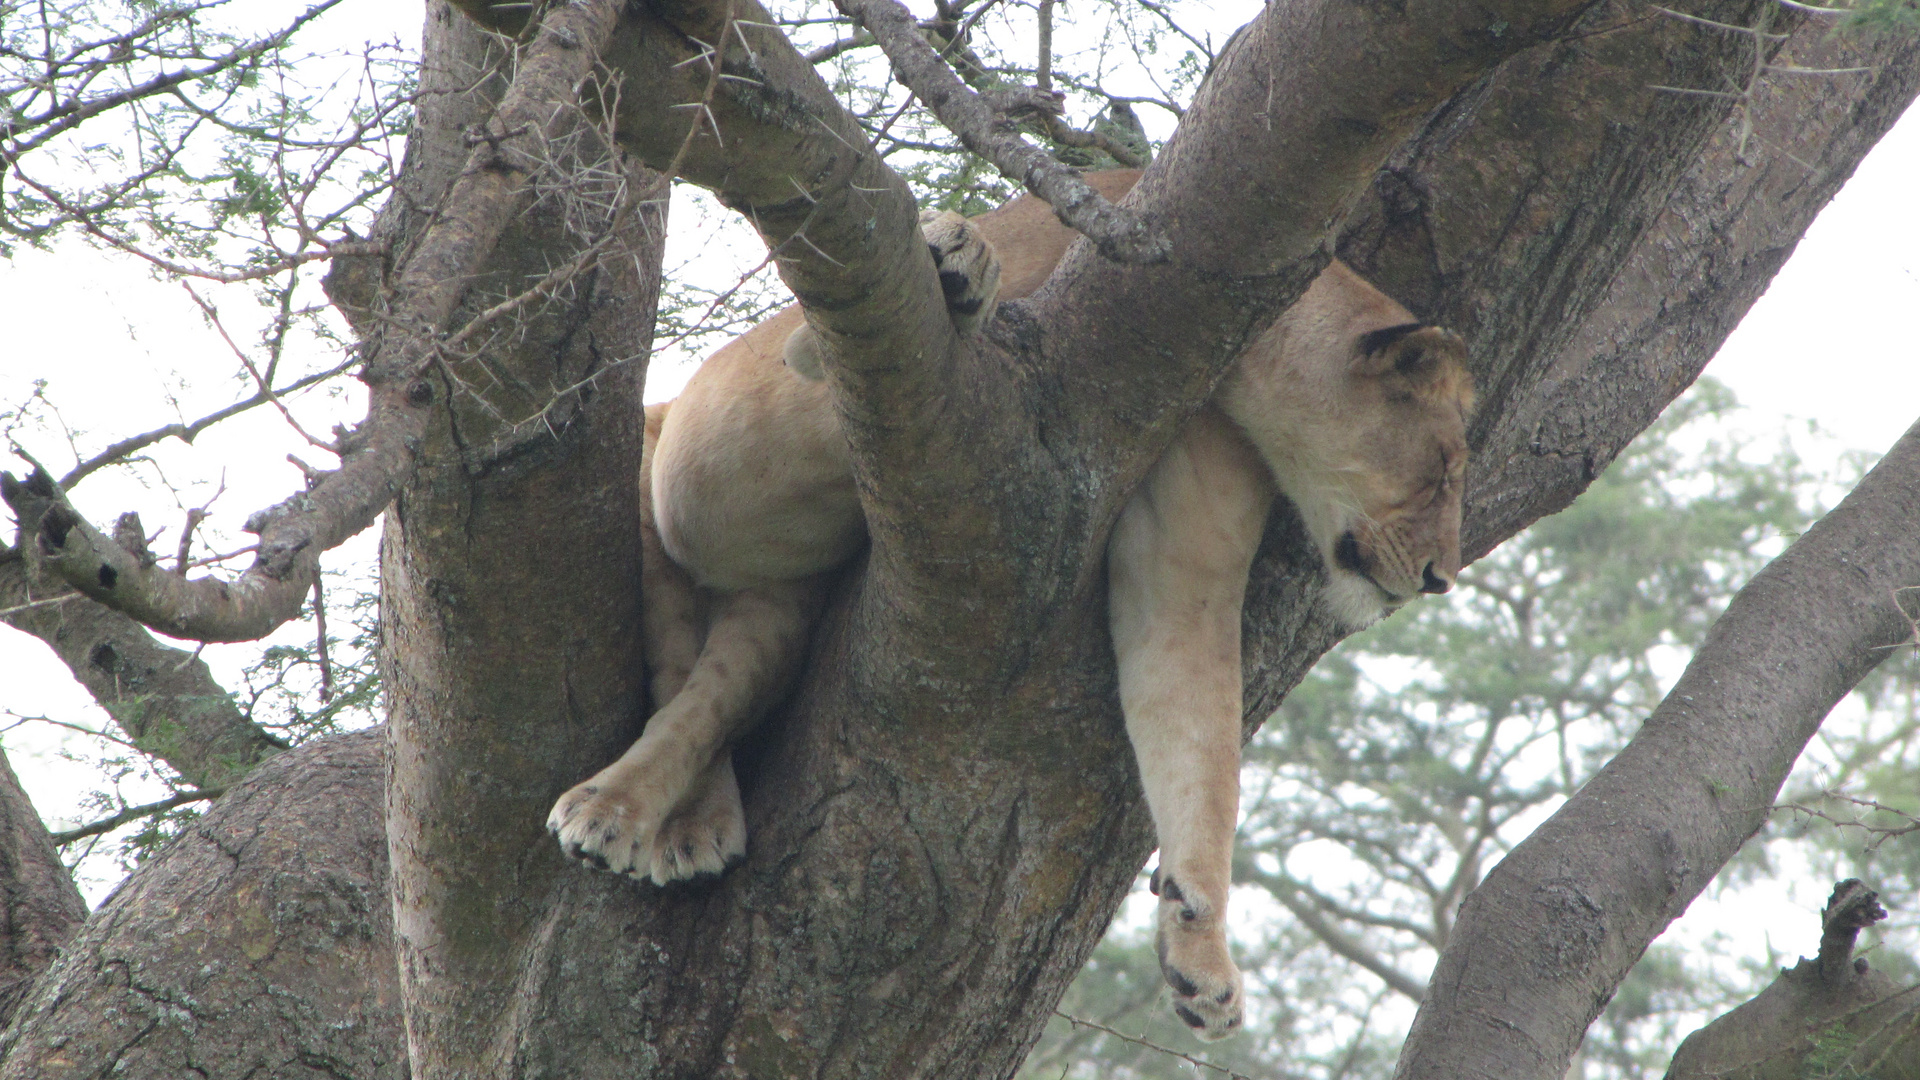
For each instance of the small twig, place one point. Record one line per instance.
(186, 432)
(182, 559)
(1880, 833)
(1778, 69)
(33, 604)
(1730, 27)
(215, 560)
(897, 114)
(1188, 1058)
(320, 645)
(1697, 93)
(135, 813)
(1205, 47)
(213, 316)
(1913, 621)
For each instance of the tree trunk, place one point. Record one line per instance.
(42, 909)
(509, 572)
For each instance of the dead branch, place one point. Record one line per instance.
(1879, 834)
(120, 451)
(1852, 908)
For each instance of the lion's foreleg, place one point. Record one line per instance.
(669, 808)
(1177, 567)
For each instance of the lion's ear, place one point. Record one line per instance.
(802, 353)
(1416, 351)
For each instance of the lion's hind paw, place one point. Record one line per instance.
(707, 836)
(599, 827)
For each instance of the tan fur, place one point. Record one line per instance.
(752, 504)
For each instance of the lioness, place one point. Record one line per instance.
(1347, 405)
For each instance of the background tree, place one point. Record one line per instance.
(884, 925)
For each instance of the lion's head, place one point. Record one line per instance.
(1361, 412)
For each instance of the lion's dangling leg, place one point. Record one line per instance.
(674, 786)
(1177, 571)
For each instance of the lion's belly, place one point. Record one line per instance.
(751, 479)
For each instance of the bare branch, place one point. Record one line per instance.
(1137, 1041)
(1122, 235)
(119, 451)
(73, 112)
(380, 453)
(135, 813)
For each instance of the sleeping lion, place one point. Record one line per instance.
(1347, 405)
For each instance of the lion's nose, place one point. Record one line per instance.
(1434, 583)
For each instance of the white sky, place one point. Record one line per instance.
(1830, 343)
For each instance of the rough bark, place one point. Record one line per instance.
(257, 944)
(39, 907)
(509, 613)
(1596, 239)
(1833, 1015)
(1542, 943)
(165, 699)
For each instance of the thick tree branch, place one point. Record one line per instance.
(259, 943)
(1542, 943)
(1598, 264)
(1822, 1017)
(164, 698)
(379, 455)
(1121, 234)
(775, 144)
(39, 907)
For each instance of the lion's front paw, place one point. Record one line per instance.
(606, 823)
(706, 836)
(969, 268)
(1191, 939)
